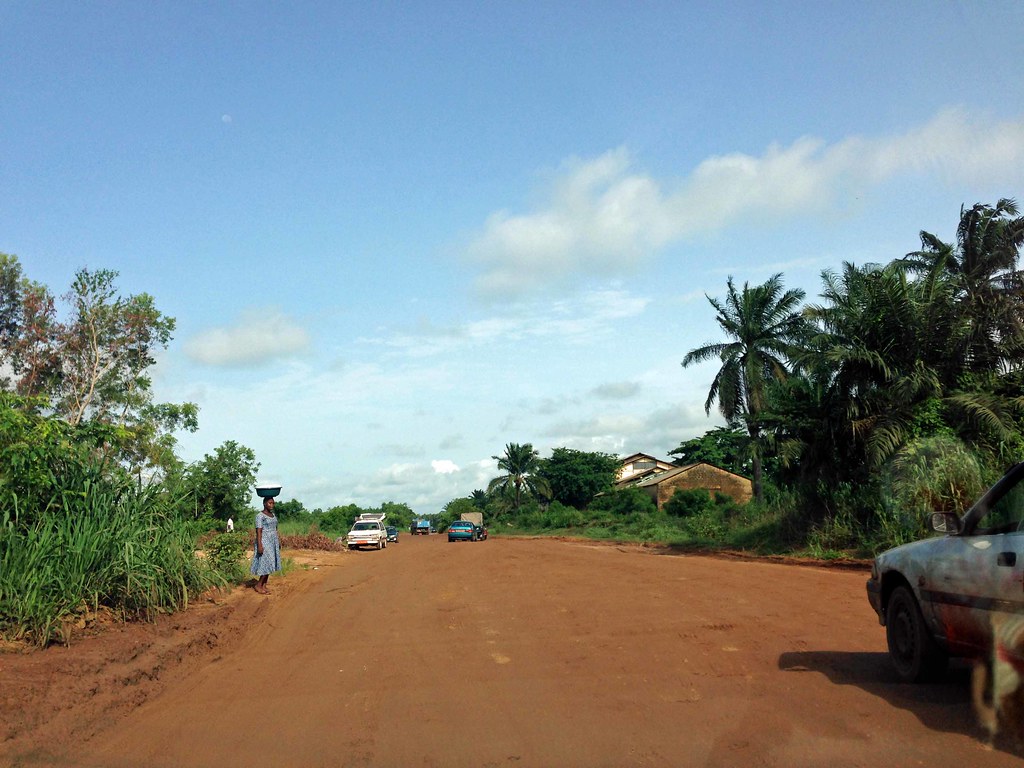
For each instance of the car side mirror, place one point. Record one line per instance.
(946, 522)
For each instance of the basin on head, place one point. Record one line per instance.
(268, 490)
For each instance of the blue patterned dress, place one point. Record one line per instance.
(270, 561)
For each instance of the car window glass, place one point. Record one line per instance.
(1006, 515)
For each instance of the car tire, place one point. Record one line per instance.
(914, 652)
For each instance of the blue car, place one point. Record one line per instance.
(462, 530)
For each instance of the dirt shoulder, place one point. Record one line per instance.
(61, 693)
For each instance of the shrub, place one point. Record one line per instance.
(627, 502)
(225, 552)
(559, 515)
(932, 474)
(104, 542)
(686, 502)
(708, 525)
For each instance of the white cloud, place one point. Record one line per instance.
(257, 337)
(574, 320)
(444, 466)
(419, 484)
(603, 219)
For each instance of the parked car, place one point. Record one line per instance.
(937, 597)
(481, 532)
(462, 530)
(367, 533)
(392, 532)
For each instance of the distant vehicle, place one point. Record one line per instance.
(368, 531)
(477, 519)
(421, 527)
(950, 595)
(462, 530)
(392, 533)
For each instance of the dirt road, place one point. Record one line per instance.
(525, 653)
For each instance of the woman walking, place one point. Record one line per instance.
(267, 556)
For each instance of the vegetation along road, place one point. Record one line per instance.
(526, 652)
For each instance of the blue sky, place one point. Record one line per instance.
(397, 236)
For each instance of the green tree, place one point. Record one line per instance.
(520, 464)
(576, 477)
(11, 286)
(339, 519)
(39, 454)
(453, 511)
(223, 482)
(92, 366)
(765, 329)
(890, 360)
(987, 285)
(399, 514)
(724, 447)
(291, 510)
(105, 349)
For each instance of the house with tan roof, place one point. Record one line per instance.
(661, 479)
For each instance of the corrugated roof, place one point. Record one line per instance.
(667, 474)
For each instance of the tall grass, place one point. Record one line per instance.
(101, 543)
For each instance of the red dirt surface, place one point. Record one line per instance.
(497, 653)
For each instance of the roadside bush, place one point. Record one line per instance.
(626, 502)
(686, 502)
(707, 525)
(38, 454)
(838, 535)
(559, 515)
(225, 552)
(936, 474)
(101, 542)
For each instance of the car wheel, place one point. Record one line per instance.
(913, 650)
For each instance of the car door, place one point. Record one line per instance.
(980, 572)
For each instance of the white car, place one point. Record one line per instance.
(367, 533)
(939, 597)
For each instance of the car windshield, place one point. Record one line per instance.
(365, 527)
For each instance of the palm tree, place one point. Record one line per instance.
(987, 284)
(520, 464)
(881, 341)
(766, 328)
